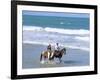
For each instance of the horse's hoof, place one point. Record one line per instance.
(42, 62)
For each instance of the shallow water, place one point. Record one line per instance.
(31, 57)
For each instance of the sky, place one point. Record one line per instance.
(57, 14)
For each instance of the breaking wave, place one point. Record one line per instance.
(77, 39)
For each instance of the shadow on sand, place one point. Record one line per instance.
(70, 62)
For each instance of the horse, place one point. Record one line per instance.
(45, 55)
(59, 54)
(56, 54)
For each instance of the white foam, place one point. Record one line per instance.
(83, 38)
(79, 39)
(62, 31)
(67, 31)
(34, 42)
(32, 28)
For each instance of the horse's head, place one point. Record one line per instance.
(64, 50)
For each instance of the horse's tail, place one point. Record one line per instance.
(40, 57)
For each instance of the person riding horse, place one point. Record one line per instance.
(50, 54)
(49, 51)
(57, 48)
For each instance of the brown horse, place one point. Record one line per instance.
(56, 54)
(45, 55)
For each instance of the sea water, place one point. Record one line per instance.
(67, 29)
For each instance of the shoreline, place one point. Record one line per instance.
(46, 44)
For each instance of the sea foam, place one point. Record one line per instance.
(58, 30)
(77, 39)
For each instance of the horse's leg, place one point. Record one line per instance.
(60, 60)
(48, 57)
(48, 53)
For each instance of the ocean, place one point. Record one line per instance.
(67, 30)
(56, 22)
(70, 30)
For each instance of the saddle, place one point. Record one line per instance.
(57, 52)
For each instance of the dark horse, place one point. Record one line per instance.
(56, 54)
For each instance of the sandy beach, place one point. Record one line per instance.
(31, 57)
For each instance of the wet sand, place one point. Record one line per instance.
(31, 57)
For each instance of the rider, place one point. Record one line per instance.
(57, 47)
(49, 47)
(49, 50)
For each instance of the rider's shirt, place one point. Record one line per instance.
(57, 47)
